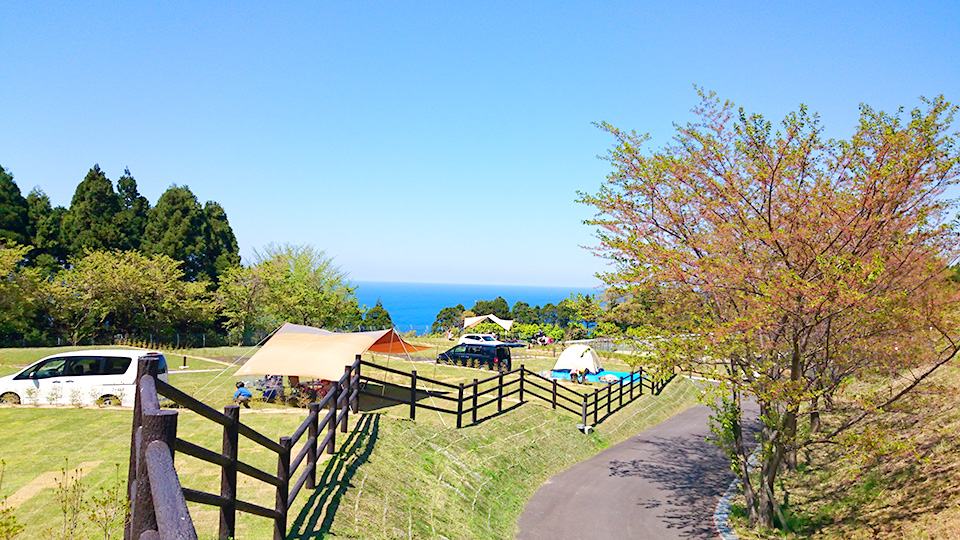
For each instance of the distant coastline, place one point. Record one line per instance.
(414, 306)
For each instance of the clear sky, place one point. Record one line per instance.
(426, 141)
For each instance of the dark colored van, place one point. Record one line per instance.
(493, 357)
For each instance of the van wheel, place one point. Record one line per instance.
(10, 398)
(108, 400)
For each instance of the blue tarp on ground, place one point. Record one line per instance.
(623, 376)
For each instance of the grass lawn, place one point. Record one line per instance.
(391, 477)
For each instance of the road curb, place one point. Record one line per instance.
(721, 515)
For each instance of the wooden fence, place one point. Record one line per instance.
(158, 503)
(467, 400)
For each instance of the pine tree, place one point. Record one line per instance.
(44, 223)
(177, 227)
(91, 221)
(132, 219)
(223, 252)
(377, 318)
(13, 210)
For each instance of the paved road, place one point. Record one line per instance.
(661, 484)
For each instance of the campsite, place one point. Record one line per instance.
(461, 483)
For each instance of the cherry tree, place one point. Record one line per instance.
(788, 265)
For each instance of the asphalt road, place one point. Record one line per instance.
(662, 484)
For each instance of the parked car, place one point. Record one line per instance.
(104, 377)
(494, 357)
(483, 339)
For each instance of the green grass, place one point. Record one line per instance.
(391, 478)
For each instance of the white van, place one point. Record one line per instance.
(104, 377)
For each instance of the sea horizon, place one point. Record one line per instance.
(414, 306)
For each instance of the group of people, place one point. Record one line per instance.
(309, 391)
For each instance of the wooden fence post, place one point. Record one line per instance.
(632, 381)
(641, 381)
(157, 426)
(145, 366)
(475, 389)
(228, 473)
(500, 392)
(522, 369)
(332, 419)
(609, 397)
(313, 432)
(596, 404)
(554, 401)
(356, 387)
(347, 373)
(460, 407)
(621, 395)
(283, 490)
(583, 414)
(413, 395)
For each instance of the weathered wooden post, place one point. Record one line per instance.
(596, 404)
(583, 415)
(641, 381)
(460, 407)
(283, 490)
(500, 392)
(413, 395)
(356, 387)
(332, 419)
(313, 434)
(609, 397)
(632, 381)
(347, 371)
(522, 369)
(158, 425)
(475, 388)
(228, 472)
(554, 400)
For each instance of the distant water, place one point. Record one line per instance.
(414, 306)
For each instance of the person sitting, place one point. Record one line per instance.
(242, 396)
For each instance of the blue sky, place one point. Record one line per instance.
(427, 141)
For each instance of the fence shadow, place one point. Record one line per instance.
(315, 519)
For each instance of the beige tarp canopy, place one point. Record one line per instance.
(306, 351)
(473, 321)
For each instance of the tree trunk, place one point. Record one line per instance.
(770, 458)
(814, 416)
(742, 453)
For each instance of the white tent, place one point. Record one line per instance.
(579, 357)
(306, 351)
(469, 322)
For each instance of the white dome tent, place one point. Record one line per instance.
(578, 358)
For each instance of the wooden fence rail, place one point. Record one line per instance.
(158, 502)
(466, 404)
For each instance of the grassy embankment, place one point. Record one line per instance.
(905, 484)
(391, 478)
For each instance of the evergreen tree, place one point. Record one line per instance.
(449, 317)
(223, 252)
(132, 219)
(377, 318)
(91, 221)
(44, 224)
(13, 210)
(177, 227)
(498, 307)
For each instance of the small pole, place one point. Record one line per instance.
(609, 397)
(228, 473)
(413, 395)
(641, 381)
(460, 407)
(356, 387)
(475, 401)
(633, 380)
(621, 394)
(554, 394)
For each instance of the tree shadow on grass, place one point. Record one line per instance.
(315, 519)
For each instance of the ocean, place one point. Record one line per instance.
(414, 306)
